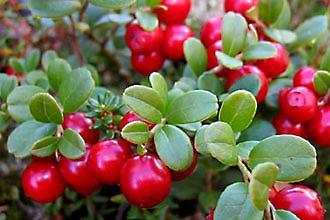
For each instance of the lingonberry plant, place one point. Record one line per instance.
(224, 127)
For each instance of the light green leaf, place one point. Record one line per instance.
(228, 61)
(71, 144)
(274, 89)
(200, 143)
(47, 58)
(44, 147)
(250, 83)
(136, 132)
(258, 130)
(113, 4)
(210, 82)
(7, 85)
(281, 36)
(244, 148)
(58, 70)
(54, 8)
(285, 215)
(32, 60)
(322, 82)
(260, 50)
(196, 55)
(147, 20)
(159, 84)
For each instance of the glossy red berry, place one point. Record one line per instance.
(234, 75)
(275, 66)
(272, 193)
(79, 174)
(212, 60)
(305, 77)
(283, 125)
(319, 127)
(211, 31)
(176, 11)
(131, 117)
(300, 200)
(10, 71)
(42, 181)
(145, 181)
(211, 215)
(107, 159)
(174, 37)
(299, 104)
(145, 64)
(141, 41)
(178, 176)
(240, 6)
(78, 122)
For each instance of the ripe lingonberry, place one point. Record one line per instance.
(178, 176)
(211, 215)
(234, 75)
(141, 41)
(10, 71)
(283, 125)
(145, 181)
(176, 11)
(298, 104)
(107, 159)
(319, 127)
(212, 60)
(131, 117)
(145, 64)
(78, 122)
(300, 200)
(174, 37)
(79, 174)
(42, 181)
(211, 31)
(305, 77)
(275, 66)
(240, 6)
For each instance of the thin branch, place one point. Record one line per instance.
(82, 11)
(75, 43)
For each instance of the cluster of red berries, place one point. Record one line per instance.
(144, 179)
(151, 48)
(303, 112)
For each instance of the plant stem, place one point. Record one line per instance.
(75, 43)
(246, 173)
(82, 11)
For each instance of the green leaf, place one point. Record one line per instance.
(235, 204)
(7, 85)
(234, 31)
(152, 3)
(54, 8)
(136, 132)
(193, 106)
(238, 110)
(147, 20)
(295, 156)
(322, 82)
(263, 177)
(18, 102)
(196, 55)
(95, 74)
(260, 50)
(44, 108)
(113, 4)
(244, 148)
(228, 61)
(58, 70)
(76, 89)
(185, 84)
(270, 10)
(20, 141)
(285, 215)
(71, 144)
(44, 147)
(32, 60)
(281, 36)
(284, 20)
(4, 121)
(174, 148)
(193, 127)
(250, 83)
(200, 143)
(210, 82)
(145, 102)
(159, 84)
(17, 64)
(274, 89)
(325, 64)
(220, 141)
(47, 58)
(258, 130)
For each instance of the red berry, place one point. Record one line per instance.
(298, 104)
(131, 117)
(234, 75)
(42, 181)
(283, 125)
(107, 159)
(178, 176)
(319, 127)
(305, 77)
(79, 175)
(176, 11)
(212, 60)
(272, 193)
(146, 64)
(211, 215)
(145, 181)
(275, 66)
(78, 122)
(300, 200)
(174, 37)
(10, 71)
(141, 41)
(240, 6)
(211, 31)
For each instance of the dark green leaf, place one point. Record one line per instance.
(270, 10)
(136, 132)
(260, 50)
(228, 61)
(274, 89)
(113, 4)
(17, 64)
(250, 83)
(325, 64)
(7, 85)
(196, 55)
(58, 70)
(322, 82)
(257, 131)
(32, 60)
(281, 36)
(44, 147)
(54, 8)
(210, 82)
(284, 20)
(147, 20)
(71, 144)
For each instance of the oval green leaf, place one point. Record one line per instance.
(159, 84)
(136, 132)
(54, 8)
(322, 82)
(274, 89)
(325, 64)
(58, 70)
(148, 21)
(7, 85)
(112, 4)
(71, 144)
(200, 143)
(244, 148)
(250, 82)
(32, 60)
(260, 50)
(44, 147)
(285, 215)
(258, 130)
(47, 58)
(196, 55)
(281, 36)
(210, 82)
(228, 61)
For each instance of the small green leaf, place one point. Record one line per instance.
(136, 132)
(193, 127)
(196, 55)
(193, 106)
(235, 204)
(258, 130)
(47, 58)
(295, 157)
(44, 147)
(200, 143)
(325, 64)
(220, 141)
(18, 102)
(58, 70)
(185, 84)
(281, 36)
(21, 140)
(250, 83)
(152, 3)
(244, 148)
(270, 10)
(113, 4)
(274, 89)
(322, 82)
(44, 108)
(76, 89)
(285, 215)
(284, 20)
(71, 144)
(147, 20)
(54, 8)
(260, 50)
(210, 82)
(238, 110)
(228, 61)
(7, 85)
(174, 148)
(234, 31)
(263, 177)
(17, 64)
(32, 60)
(159, 84)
